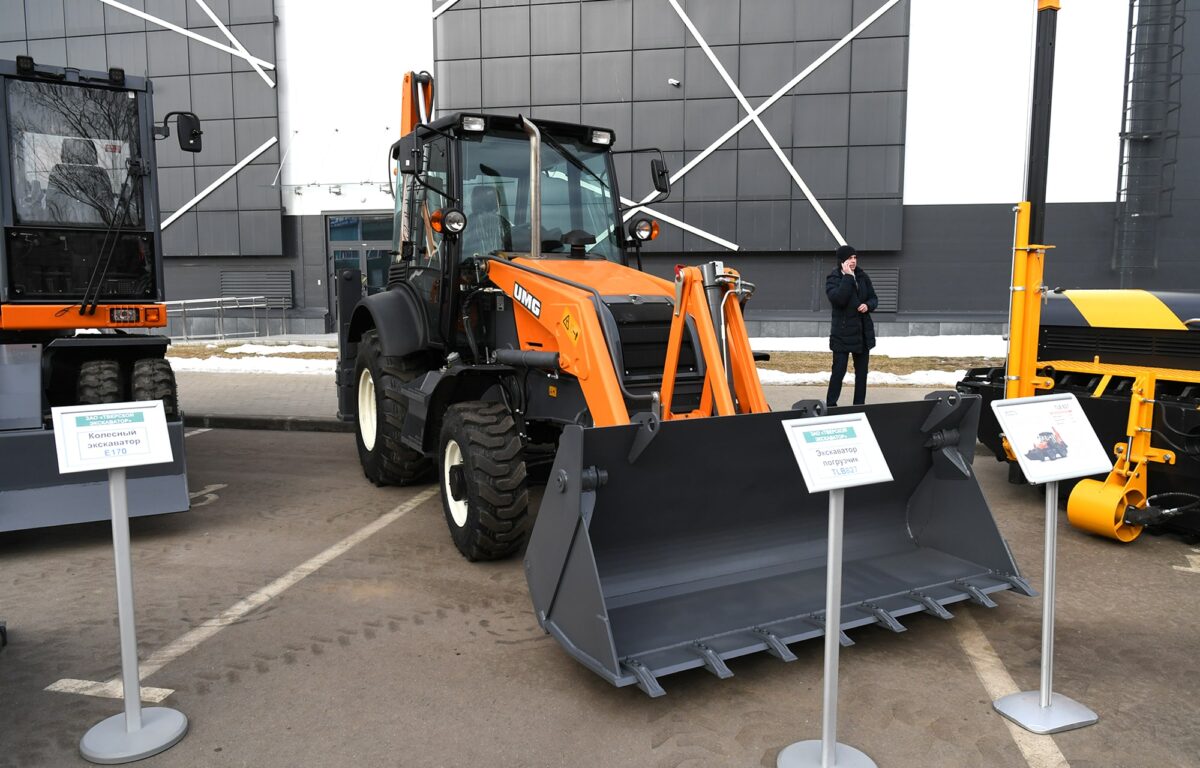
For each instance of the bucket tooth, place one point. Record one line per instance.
(712, 662)
(775, 646)
(931, 606)
(1018, 583)
(882, 616)
(645, 678)
(976, 594)
(843, 638)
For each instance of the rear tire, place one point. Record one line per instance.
(153, 379)
(381, 411)
(480, 447)
(99, 382)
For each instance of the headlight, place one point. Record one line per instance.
(602, 137)
(454, 221)
(644, 229)
(473, 123)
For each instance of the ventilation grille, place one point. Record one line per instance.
(887, 288)
(275, 285)
(1163, 349)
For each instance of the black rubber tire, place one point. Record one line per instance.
(497, 521)
(153, 379)
(388, 461)
(99, 382)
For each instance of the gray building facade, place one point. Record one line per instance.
(230, 241)
(639, 67)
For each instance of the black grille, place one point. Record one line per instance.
(643, 330)
(1157, 348)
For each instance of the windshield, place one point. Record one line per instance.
(70, 146)
(575, 195)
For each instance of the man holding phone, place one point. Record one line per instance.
(851, 330)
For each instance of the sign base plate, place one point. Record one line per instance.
(1026, 710)
(108, 743)
(807, 754)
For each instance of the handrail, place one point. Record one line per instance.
(217, 307)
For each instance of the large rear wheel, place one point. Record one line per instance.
(381, 411)
(482, 474)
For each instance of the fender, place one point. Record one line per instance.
(397, 316)
(429, 396)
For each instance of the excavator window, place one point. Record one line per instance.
(69, 147)
(576, 195)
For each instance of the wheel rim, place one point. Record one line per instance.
(452, 458)
(366, 409)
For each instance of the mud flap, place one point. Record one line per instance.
(704, 544)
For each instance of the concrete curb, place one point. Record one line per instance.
(277, 423)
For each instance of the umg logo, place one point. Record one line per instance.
(527, 300)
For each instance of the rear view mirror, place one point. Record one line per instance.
(188, 128)
(407, 154)
(660, 175)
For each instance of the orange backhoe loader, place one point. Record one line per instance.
(515, 343)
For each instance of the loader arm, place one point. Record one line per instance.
(557, 316)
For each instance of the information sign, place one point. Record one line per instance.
(1051, 437)
(836, 451)
(90, 437)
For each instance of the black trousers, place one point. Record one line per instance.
(840, 360)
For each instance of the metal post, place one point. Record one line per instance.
(128, 737)
(1048, 564)
(129, 660)
(1044, 711)
(828, 753)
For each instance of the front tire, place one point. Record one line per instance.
(381, 411)
(99, 382)
(482, 473)
(153, 379)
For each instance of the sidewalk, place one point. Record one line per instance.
(308, 402)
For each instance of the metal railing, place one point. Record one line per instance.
(227, 314)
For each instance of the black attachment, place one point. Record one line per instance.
(762, 357)
(808, 408)
(648, 425)
(522, 358)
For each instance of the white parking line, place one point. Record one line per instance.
(189, 640)
(199, 431)
(1039, 751)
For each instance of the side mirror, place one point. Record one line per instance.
(188, 127)
(660, 176)
(407, 154)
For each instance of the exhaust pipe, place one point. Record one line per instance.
(535, 188)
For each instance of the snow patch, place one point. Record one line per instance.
(896, 346)
(252, 365)
(282, 349)
(916, 378)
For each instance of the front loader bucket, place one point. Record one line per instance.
(661, 547)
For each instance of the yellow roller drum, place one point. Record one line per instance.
(1125, 309)
(1099, 507)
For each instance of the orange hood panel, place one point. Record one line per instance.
(608, 278)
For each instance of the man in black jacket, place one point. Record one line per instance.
(851, 332)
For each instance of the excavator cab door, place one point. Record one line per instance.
(430, 193)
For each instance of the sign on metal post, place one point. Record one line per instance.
(113, 436)
(834, 453)
(1052, 440)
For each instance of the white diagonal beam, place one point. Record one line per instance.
(187, 33)
(737, 92)
(443, 8)
(776, 96)
(683, 225)
(236, 43)
(224, 177)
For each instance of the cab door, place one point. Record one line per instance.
(430, 248)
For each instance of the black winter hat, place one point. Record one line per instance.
(844, 252)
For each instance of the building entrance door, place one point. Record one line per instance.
(362, 242)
